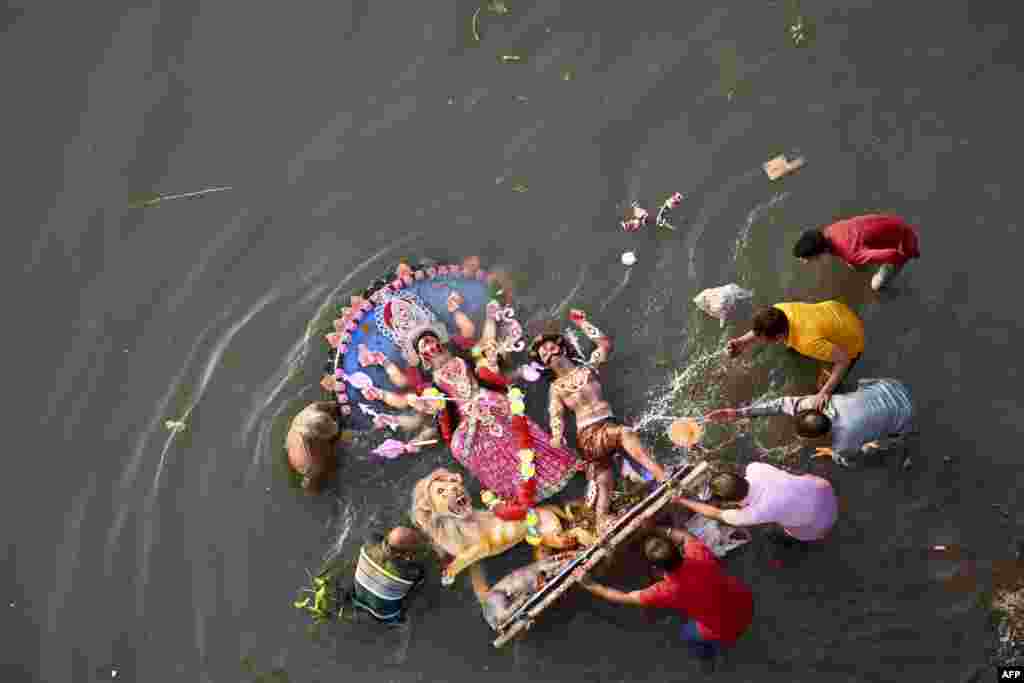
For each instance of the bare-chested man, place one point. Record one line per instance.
(577, 386)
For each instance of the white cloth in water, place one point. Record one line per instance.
(719, 302)
(718, 537)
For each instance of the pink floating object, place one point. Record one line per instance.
(391, 449)
(673, 201)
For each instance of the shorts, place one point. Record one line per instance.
(699, 647)
(597, 443)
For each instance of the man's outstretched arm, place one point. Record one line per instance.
(599, 338)
(610, 594)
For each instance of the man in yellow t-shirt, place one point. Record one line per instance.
(827, 331)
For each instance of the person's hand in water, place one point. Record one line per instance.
(734, 347)
(821, 400)
(722, 415)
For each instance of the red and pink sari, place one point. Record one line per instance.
(484, 442)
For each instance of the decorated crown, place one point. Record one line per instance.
(403, 318)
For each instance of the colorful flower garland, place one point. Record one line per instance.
(527, 469)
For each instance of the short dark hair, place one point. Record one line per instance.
(729, 487)
(770, 322)
(811, 243)
(662, 554)
(811, 424)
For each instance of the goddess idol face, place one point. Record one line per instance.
(547, 351)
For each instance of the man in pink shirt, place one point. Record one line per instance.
(888, 241)
(804, 506)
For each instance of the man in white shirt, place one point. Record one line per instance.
(875, 417)
(804, 506)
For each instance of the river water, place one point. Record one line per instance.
(355, 133)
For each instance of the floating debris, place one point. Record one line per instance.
(511, 59)
(629, 259)
(799, 26)
(475, 24)
(522, 98)
(142, 200)
(520, 187)
(721, 302)
(667, 206)
(780, 166)
(496, 7)
(175, 426)
(797, 32)
(634, 219)
(568, 75)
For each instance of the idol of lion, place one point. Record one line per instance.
(443, 511)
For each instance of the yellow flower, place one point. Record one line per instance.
(488, 498)
(531, 518)
(517, 407)
(515, 393)
(533, 540)
(526, 455)
(527, 470)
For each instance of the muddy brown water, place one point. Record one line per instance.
(356, 133)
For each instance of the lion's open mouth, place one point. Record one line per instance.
(460, 506)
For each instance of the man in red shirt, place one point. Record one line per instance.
(718, 607)
(864, 240)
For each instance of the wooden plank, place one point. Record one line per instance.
(523, 618)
